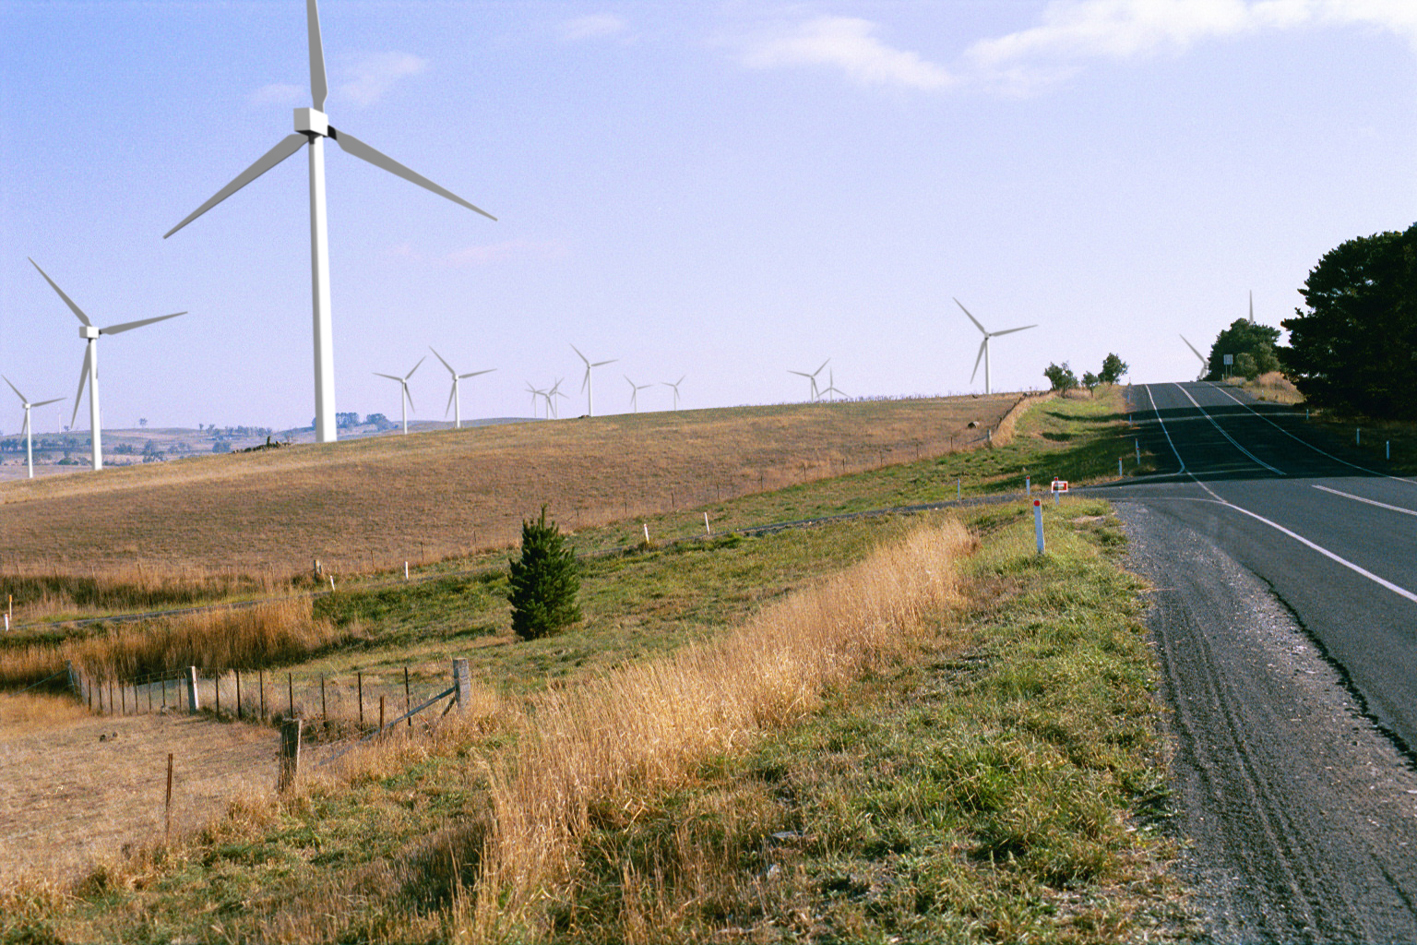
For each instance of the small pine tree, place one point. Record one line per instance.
(544, 583)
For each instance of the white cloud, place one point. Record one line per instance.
(592, 26)
(375, 73)
(277, 94)
(848, 44)
(1072, 32)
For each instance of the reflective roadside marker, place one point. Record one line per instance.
(646, 525)
(1038, 523)
(1028, 485)
(1358, 435)
(1138, 443)
(1119, 466)
(959, 490)
(707, 530)
(1387, 449)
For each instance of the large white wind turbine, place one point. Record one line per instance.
(984, 347)
(635, 392)
(812, 379)
(454, 401)
(586, 383)
(1205, 364)
(675, 387)
(312, 127)
(405, 398)
(29, 433)
(88, 374)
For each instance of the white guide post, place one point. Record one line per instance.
(320, 292)
(1038, 523)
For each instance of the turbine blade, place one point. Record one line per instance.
(54, 400)
(1195, 352)
(582, 357)
(415, 367)
(1010, 331)
(283, 149)
(819, 370)
(601, 363)
(318, 88)
(391, 377)
(364, 152)
(129, 326)
(979, 357)
(800, 373)
(451, 394)
(1252, 306)
(67, 301)
(487, 371)
(585, 380)
(25, 427)
(430, 347)
(409, 394)
(23, 398)
(971, 317)
(83, 379)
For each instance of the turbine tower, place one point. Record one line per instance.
(635, 392)
(29, 433)
(312, 127)
(88, 374)
(815, 395)
(675, 387)
(454, 400)
(405, 398)
(1252, 306)
(585, 382)
(984, 347)
(1205, 365)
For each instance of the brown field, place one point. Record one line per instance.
(374, 503)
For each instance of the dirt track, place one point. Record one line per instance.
(1301, 815)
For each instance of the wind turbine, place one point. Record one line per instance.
(585, 383)
(812, 379)
(29, 433)
(635, 392)
(984, 346)
(453, 399)
(831, 386)
(312, 127)
(1205, 365)
(405, 399)
(552, 408)
(88, 374)
(1252, 306)
(535, 393)
(675, 387)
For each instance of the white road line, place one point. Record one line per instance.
(1233, 442)
(1163, 428)
(1357, 569)
(1359, 498)
(1375, 472)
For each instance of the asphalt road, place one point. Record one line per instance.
(1285, 616)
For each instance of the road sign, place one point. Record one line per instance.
(1229, 359)
(1060, 485)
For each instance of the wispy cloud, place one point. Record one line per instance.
(374, 74)
(277, 94)
(847, 44)
(593, 26)
(1071, 33)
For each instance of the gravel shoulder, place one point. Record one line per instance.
(1299, 814)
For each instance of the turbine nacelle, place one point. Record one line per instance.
(89, 332)
(312, 121)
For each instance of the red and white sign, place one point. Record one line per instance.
(1060, 485)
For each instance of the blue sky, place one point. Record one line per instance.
(724, 191)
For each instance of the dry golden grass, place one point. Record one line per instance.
(1274, 387)
(597, 751)
(1004, 433)
(268, 634)
(374, 503)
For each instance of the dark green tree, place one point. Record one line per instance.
(1355, 347)
(1113, 368)
(1090, 380)
(1060, 376)
(1243, 337)
(545, 582)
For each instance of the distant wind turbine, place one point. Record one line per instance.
(831, 386)
(635, 392)
(88, 374)
(535, 393)
(586, 381)
(1205, 364)
(312, 127)
(553, 408)
(675, 387)
(405, 398)
(984, 347)
(454, 400)
(812, 379)
(29, 433)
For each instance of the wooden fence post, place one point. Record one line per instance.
(193, 701)
(289, 754)
(167, 808)
(261, 681)
(239, 716)
(407, 698)
(360, 677)
(290, 695)
(462, 681)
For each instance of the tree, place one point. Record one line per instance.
(1355, 348)
(1060, 377)
(343, 420)
(1113, 368)
(1243, 337)
(544, 583)
(1089, 380)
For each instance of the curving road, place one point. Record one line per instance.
(1285, 617)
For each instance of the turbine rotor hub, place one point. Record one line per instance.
(88, 331)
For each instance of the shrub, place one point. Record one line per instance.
(544, 583)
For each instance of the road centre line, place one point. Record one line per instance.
(1358, 569)
(1233, 442)
(1375, 472)
(1163, 428)
(1359, 498)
